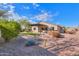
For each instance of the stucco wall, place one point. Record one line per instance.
(39, 28)
(50, 25)
(36, 30)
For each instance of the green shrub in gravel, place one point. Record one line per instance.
(30, 43)
(9, 29)
(29, 33)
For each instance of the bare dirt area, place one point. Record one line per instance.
(66, 46)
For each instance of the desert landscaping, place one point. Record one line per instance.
(44, 44)
(32, 31)
(18, 41)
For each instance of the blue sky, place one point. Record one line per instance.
(65, 14)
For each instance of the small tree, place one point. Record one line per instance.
(24, 23)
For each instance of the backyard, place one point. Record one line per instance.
(66, 46)
(22, 42)
(34, 33)
(18, 48)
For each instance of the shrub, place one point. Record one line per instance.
(54, 34)
(70, 31)
(29, 33)
(9, 29)
(76, 29)
(50, 32)
(30, 43)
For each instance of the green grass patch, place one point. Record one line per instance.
(29, 33)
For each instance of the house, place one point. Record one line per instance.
(44, 27)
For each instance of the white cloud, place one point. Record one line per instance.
(56, 14)
(11, 7)
(32, 21)
(6, 5)
(13, 15)
(43, 17)
(42, 11)
(35, 5)
(3, 6)
(16, 16)
(11, 12)
(27, 7)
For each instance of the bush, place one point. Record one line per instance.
(54, 34)
(50, 32)
(29, 33)
(70, 31)
(30, 43)
(9, 29)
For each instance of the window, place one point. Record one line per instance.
(42, 28)
(52, 28)
(34, 28)
(45, 28)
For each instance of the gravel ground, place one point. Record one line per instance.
(18, 48)
(66, 46)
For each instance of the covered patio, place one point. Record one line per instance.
(39, 28)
